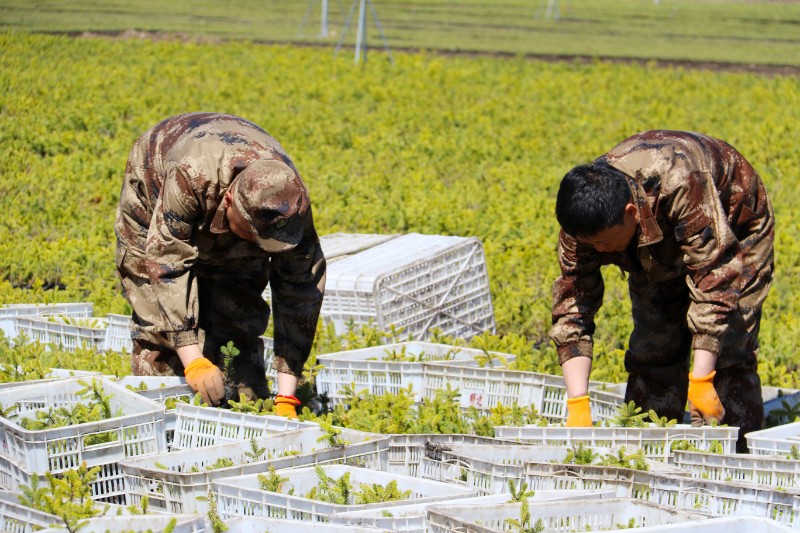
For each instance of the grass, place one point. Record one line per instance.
(733, 31)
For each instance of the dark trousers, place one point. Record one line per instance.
(659, 353)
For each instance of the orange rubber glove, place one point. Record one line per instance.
(205, 377)
(704, 404)
(286, 406)
(579, 412)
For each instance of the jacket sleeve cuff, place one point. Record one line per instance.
(183, 338)
(707, 342)
(569, 350)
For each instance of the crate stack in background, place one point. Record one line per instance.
(422, 283)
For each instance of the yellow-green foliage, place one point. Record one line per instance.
(472, 147)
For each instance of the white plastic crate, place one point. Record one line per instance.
(138, 523)
(774, 441)
(9, 311)
(417, 282)
(54, 374)
(162, 389)
(18, 518)
(740, 524)
(67, 333)
(197, 427)
(259, 524)
(24, 453)
(717, 498)
(484, 388)
(562, 516)
(488, 469)
(243, 495)
(657, 442)
(770, 471)
(173, 481)
(368, 368)
(407, 451)
(118, 333)
(412, 518)
(776, 400)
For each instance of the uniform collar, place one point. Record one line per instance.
(649, 232)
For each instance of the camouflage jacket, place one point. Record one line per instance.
(171, 214)
(704, 214)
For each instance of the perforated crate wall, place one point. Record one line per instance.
(172, 482)
(657, 442)
(778, 440)
(259, 524)
(243, 495)
(418, 282)
(412, 518)
(18, 518)
(9, 311)
(562, 516)
(67, 333)
(139, 430)
(118, 333)
(767, 470)
(484, 388)
(366, 368)
(488, 469)
(127, 524)
(198, 427)
(717, 498)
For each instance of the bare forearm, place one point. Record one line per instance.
(189, 353)
(576, 376)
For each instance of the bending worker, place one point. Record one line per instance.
(689, 220)
(211, 210)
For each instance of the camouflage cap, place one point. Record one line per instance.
(272, 198)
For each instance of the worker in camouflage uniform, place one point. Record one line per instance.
(689, 220)
(211, 210)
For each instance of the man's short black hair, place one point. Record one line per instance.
(592, 198)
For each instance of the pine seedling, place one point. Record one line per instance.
(794, 453)
(332, 436)
(272, 482)
(519, 494)
(630, 416)
(256, 451)
(337, 491)
(660, 421)
(217, 525)
(9, 413)
(67, 496)
(377, 493)
(229, 353)
(621, 459)
(580, 455)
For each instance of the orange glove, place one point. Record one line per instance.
(205, 377)
(286, 406)
(579, 412)
(704, 404)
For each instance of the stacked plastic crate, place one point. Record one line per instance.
(421, 283)
(135, 427)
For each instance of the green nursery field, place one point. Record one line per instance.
(728, 31)
(442, 145)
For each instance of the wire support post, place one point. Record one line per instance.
(361, 30)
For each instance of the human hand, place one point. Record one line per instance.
(286, 406)
(205, 377)
(579, 412)
(704, 404)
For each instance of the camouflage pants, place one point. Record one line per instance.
(659, 354)
(231, 309)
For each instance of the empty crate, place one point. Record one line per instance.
(417, 282)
